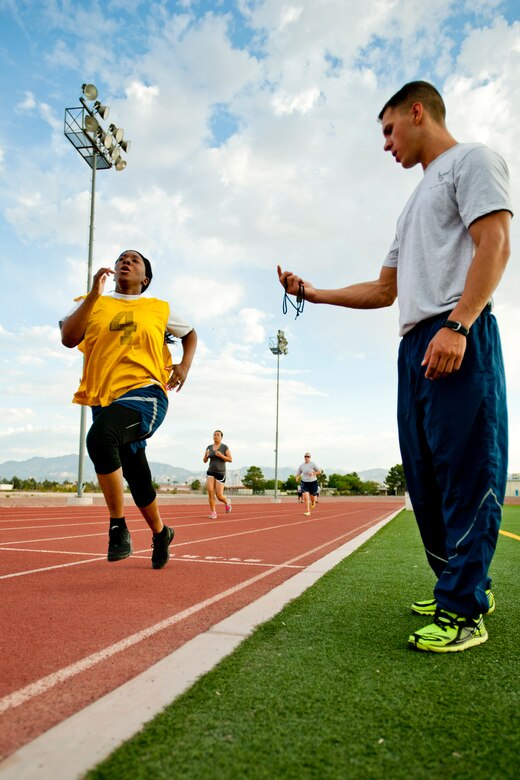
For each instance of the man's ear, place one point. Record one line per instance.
(417, 110)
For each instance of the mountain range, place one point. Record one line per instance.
(65, 469)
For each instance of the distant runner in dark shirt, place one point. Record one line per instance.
(218, 455)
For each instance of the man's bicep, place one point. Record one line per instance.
(494, 226)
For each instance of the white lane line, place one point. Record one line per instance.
(54, 525)
(4, 548)
(23, 695)
(261, 530)
(144, 528)
(147, 530)
(47, 568)
(58, 538)
(138, 552)
(177, 545)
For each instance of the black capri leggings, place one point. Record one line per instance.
(109, 441)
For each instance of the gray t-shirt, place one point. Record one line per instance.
(307, 471)
(433, 248)
(215, 463)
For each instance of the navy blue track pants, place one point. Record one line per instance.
(453, 439)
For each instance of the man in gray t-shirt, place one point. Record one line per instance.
(307, 474)
(449, 252)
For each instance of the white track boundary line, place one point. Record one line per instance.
(71, 748)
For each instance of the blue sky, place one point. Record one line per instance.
(254, 142)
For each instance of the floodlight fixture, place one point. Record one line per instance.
(91, 124)
(90, 91)
(120, 164)
(107, 139)
(117, 132)
(278, 344)
(103, 111)
(125, 146)
(115, 154)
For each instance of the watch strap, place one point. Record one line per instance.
(458, 327)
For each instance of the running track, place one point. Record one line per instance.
(75, 627)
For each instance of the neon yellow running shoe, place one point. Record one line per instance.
(449, 633)
(428, 606)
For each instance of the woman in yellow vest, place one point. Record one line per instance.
(126, 374)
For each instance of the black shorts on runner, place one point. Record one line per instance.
(310, 487)
(217, 475)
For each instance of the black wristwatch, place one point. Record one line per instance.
(458, 327)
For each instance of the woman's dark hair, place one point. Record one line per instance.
(218, 431)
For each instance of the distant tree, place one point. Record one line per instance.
(91, 487)
(195, 485)
(371, 488)
(347, 484)
(254, 479)
(395, 480)
(290, 483)
(269, 484)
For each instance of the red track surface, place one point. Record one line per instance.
(75, 627)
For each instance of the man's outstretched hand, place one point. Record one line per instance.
(292, 284)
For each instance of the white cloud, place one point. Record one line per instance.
(207, 299)
(301, 103)
(28, 103)
(250, 324)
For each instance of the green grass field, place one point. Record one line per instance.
(329, 688)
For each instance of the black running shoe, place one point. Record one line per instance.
(161, 544)
(119, 543)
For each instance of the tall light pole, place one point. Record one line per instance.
(101, 149)
(278, 346)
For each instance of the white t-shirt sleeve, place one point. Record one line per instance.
(77, 304)
(481, 181)
(390, 260)
(177, 325)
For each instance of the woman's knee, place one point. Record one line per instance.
(103, 451)
(108, 433)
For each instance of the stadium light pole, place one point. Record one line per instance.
(278, 346)
(101, 149)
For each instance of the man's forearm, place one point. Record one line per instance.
(366, 295)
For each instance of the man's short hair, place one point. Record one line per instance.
(418, 92)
